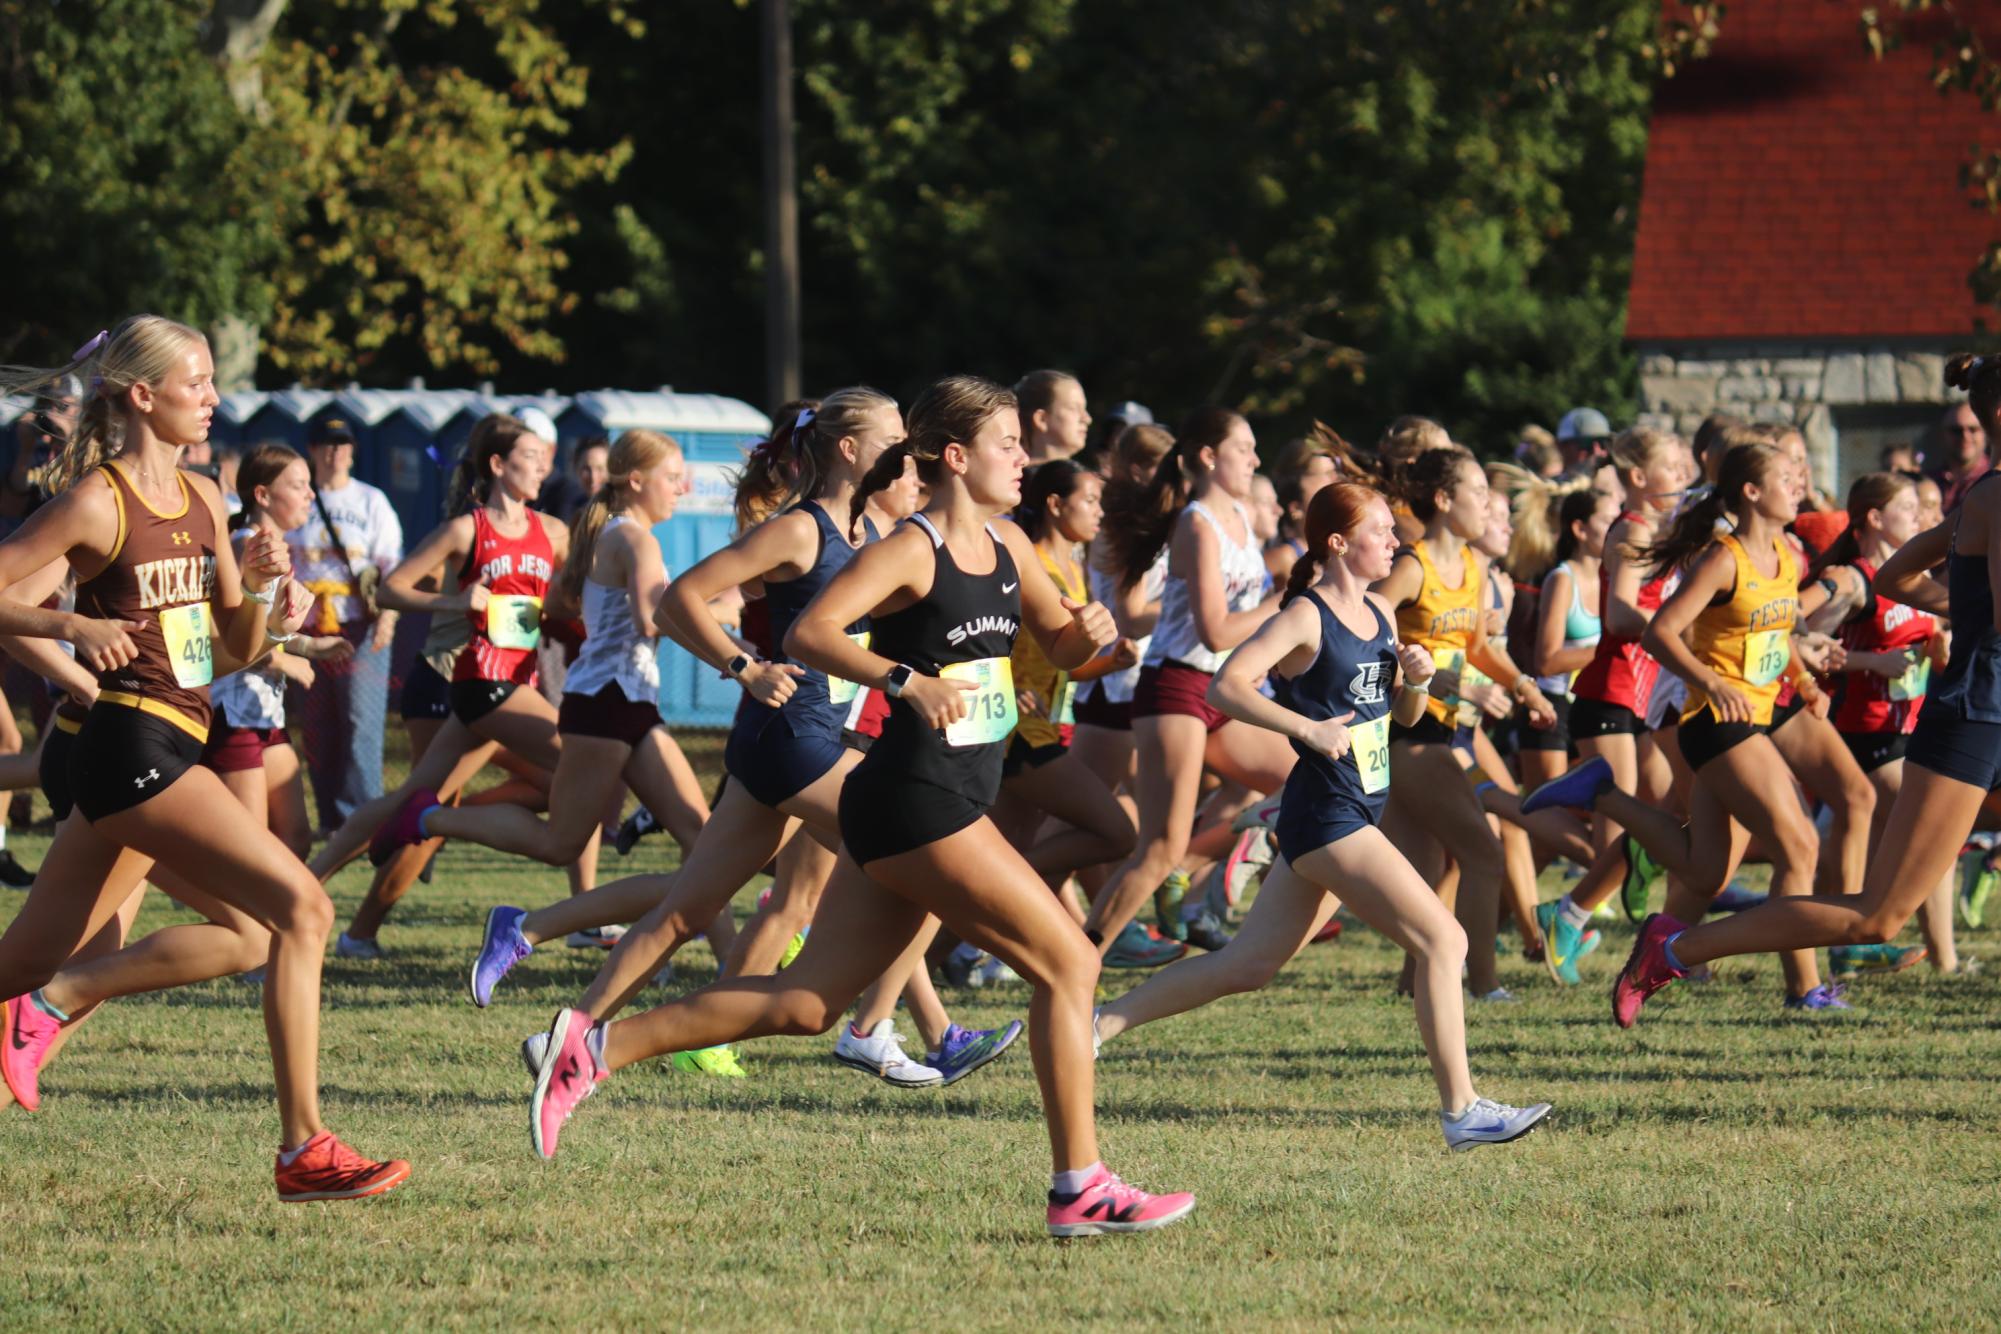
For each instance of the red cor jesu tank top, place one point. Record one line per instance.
(1870, 703)
(161, 575)
(516, 572)
(1621, 672)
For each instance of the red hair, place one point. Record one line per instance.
(1336, 508)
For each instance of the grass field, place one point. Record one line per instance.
(1721, 1165)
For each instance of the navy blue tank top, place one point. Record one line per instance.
(968, 619)
(810, 706)
(1971, 684)
(1350, 675)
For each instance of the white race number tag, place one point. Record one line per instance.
(186, 630)
(991, 711)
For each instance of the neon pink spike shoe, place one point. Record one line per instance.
(29, 1033)
(403, 829)
(1647, 968)
(569, 1074)
(1107, 1204)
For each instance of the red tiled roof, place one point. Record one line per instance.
(1796, 187)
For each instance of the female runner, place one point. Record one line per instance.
(785, 757)
(1952, 762)
(1438, 587)
(143, 537)
(945, 594)
(1338, 665)
(1737, 603)
(1213, 598)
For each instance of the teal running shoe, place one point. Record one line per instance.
(1562, 943)
(1848, 962)
(1136, 948)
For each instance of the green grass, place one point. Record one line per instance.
(1721, 1165)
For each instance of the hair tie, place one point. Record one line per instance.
(103, 336)
(806, 417)
(96, 385)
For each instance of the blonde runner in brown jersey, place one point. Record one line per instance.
(161, 576)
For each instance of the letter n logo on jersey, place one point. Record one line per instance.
(1368, 685)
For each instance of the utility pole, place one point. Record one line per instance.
(781, 207)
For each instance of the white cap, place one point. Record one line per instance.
(537, 421)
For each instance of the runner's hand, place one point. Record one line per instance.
(1418, 668)
(265, 560)
(104, 645)
(1094, 622)
(770, 683)
(1727, 700)
(939, 702)
(1329, 736)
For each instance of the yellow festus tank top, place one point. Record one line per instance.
(1442, 618)
(1748, 640)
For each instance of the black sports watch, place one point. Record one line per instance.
(898, 677)
(738, 665)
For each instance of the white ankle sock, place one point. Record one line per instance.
(1070, 1183)
(1571, 913)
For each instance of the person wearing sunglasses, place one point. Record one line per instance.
(1964, 452)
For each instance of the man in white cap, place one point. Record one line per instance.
(340, 555)
(1582, 435)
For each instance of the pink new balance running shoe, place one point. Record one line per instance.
(569, 1074)
(1107, 1204)
(1647, 968)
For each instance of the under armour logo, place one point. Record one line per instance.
(151, 775)
(183, 539)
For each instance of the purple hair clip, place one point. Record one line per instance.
(805, 419)
(103, 337)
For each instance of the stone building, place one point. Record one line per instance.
(1804, 241)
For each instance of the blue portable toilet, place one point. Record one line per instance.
(364, 411)
(283, 417)
(714, 433)
(411, 477)
(234, 415)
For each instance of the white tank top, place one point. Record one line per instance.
(251, 698)
(1243, 569)
(1118, 686)
(614, 652)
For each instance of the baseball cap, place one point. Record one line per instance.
(1583, 424)
(538, 422)
(1131, 413)
(330, 431)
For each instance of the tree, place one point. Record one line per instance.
(128, 179)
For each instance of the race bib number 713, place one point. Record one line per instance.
(991, 711)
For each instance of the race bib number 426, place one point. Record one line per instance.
(991, 711)
(186, 631)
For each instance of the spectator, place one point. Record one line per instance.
(340, 556)
(1537, 451)
(227, 460)
(1965, 452)
(1581, 437)
(566, 493)
(1054, 420)
(36, 436)
(1904, 459)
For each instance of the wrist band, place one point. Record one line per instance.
(264, 599)
(270, 638)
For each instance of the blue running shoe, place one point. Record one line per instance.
(1135, 948)
(1575, 787)
(1820, 998)
(967, 1049)
(1489, 1122)
(501, 950)
(1562, 943)
(1735, 898)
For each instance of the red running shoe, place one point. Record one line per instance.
(28, 1035)
(327, 1169)
(1647, 968)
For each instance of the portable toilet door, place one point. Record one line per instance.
(364, 411)
(714, 433)
(408, 444)
(283, 417)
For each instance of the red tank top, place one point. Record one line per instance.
(1868, 702)
(162, 575)
(1620, 671)
(516, 572)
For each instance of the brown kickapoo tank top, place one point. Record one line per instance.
(161, 575)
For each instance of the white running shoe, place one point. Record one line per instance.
(533, 1051)
(594, 938)
(881, 1054)
(1489, 1122)
(1258, 815)
(992, 972)
(1498, 996)
(1097, 1042)
(347, 947)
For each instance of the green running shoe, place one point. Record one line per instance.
(1849, 961)
(1641, 872)
(797, 943)
(1978, 889)
(718, 1061)
(1167, 904)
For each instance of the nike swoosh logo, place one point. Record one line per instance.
(1483, 1130)
(1009, 588)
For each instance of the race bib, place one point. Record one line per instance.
(188, 647)
(991, 712)
(1063, 712)
(840, 691)
(1913, 683)
(514, 620)
(1471, 678)
(1370, 744)
(1766, 653)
